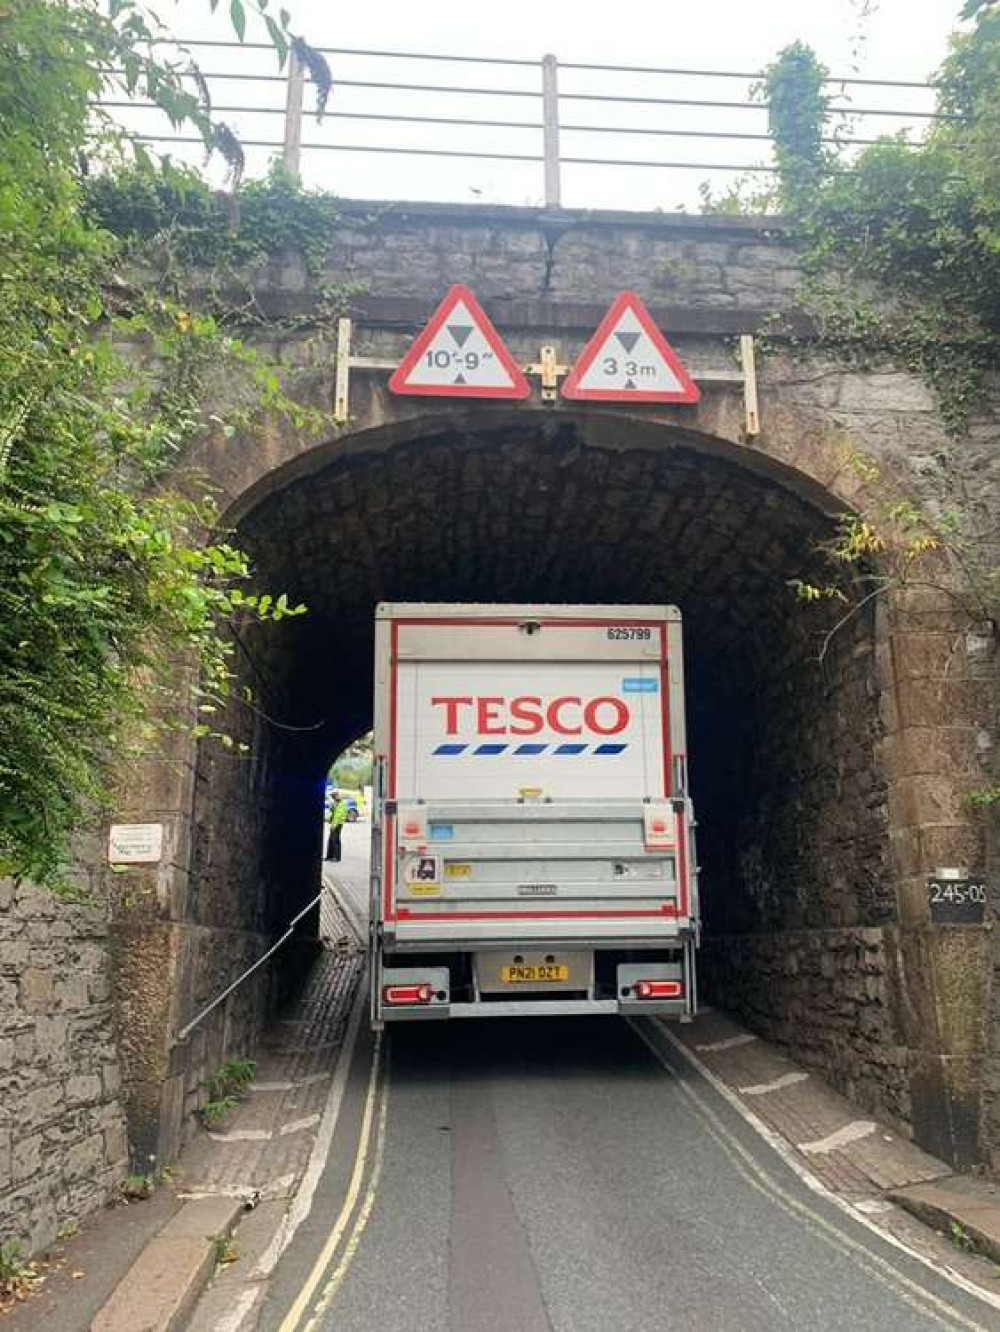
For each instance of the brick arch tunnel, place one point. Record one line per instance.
(793, 835)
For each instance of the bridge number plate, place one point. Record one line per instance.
(956, 901)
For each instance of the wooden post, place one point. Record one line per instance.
(550, 120)
(748, 361)
(342, 381)
(291, 154)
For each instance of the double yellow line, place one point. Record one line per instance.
(314, 1299)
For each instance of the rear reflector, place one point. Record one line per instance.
(658, 989)
(407, 994)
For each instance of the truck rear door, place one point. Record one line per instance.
(534, 784)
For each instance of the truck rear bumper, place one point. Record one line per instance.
(535, 1008)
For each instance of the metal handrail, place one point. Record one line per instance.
(199, 1018)
(547, 91)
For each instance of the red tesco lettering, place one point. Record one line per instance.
(568, 714)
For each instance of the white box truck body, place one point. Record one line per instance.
(532, 834)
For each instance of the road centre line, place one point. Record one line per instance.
(296, 1313)
(787, 1154)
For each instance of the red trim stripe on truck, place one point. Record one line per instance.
(391, 912)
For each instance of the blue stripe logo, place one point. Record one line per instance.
(573, 750)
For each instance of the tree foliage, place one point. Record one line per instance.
(107, 576)
(919, 221)
(901, 248)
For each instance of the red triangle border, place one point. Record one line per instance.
(628, 300)
(519, 387)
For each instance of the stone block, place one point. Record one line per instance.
(84, 1159)
(927, 799)
(14, 953)
(39, 1106)
(26, 1158)
(37, 990)
(892, 392)
(71, 992)
(920, 851)
(84, 1089)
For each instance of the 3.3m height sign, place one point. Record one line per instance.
(629, 359)
(459, 355)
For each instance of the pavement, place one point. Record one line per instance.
(554, 1173)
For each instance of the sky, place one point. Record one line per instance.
(882, 39)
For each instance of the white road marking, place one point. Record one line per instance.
(762, 1088)
(311, 1078)
(788, 1155)
(242, 1135)
(874, 1206)
(853, 1132)
(297, 1125)
(759, 1178)
(729, 1043)
(273, 1190)
(232, 1319)
(303, 1200)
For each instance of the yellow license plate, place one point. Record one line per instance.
(525, 974)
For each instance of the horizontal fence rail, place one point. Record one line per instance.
(568, 125)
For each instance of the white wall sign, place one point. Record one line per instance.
(135, 843)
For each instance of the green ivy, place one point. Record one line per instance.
(918, 224)
(107, 575)
(174, 211)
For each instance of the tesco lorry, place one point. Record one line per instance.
(532, 834)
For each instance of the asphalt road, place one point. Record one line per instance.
(575, 1175)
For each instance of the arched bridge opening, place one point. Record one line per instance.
(793, 820)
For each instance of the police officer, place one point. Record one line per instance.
(338, 817)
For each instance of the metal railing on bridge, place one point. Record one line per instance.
(548, 115)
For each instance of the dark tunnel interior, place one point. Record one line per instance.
(792, 816)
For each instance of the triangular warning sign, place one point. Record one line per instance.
(459, 355)
(629, 360)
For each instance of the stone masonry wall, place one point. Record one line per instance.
(797, 905)
(810, 858)
(62, 1127)
(826, 996)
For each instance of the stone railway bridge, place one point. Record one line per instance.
(828, 790)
